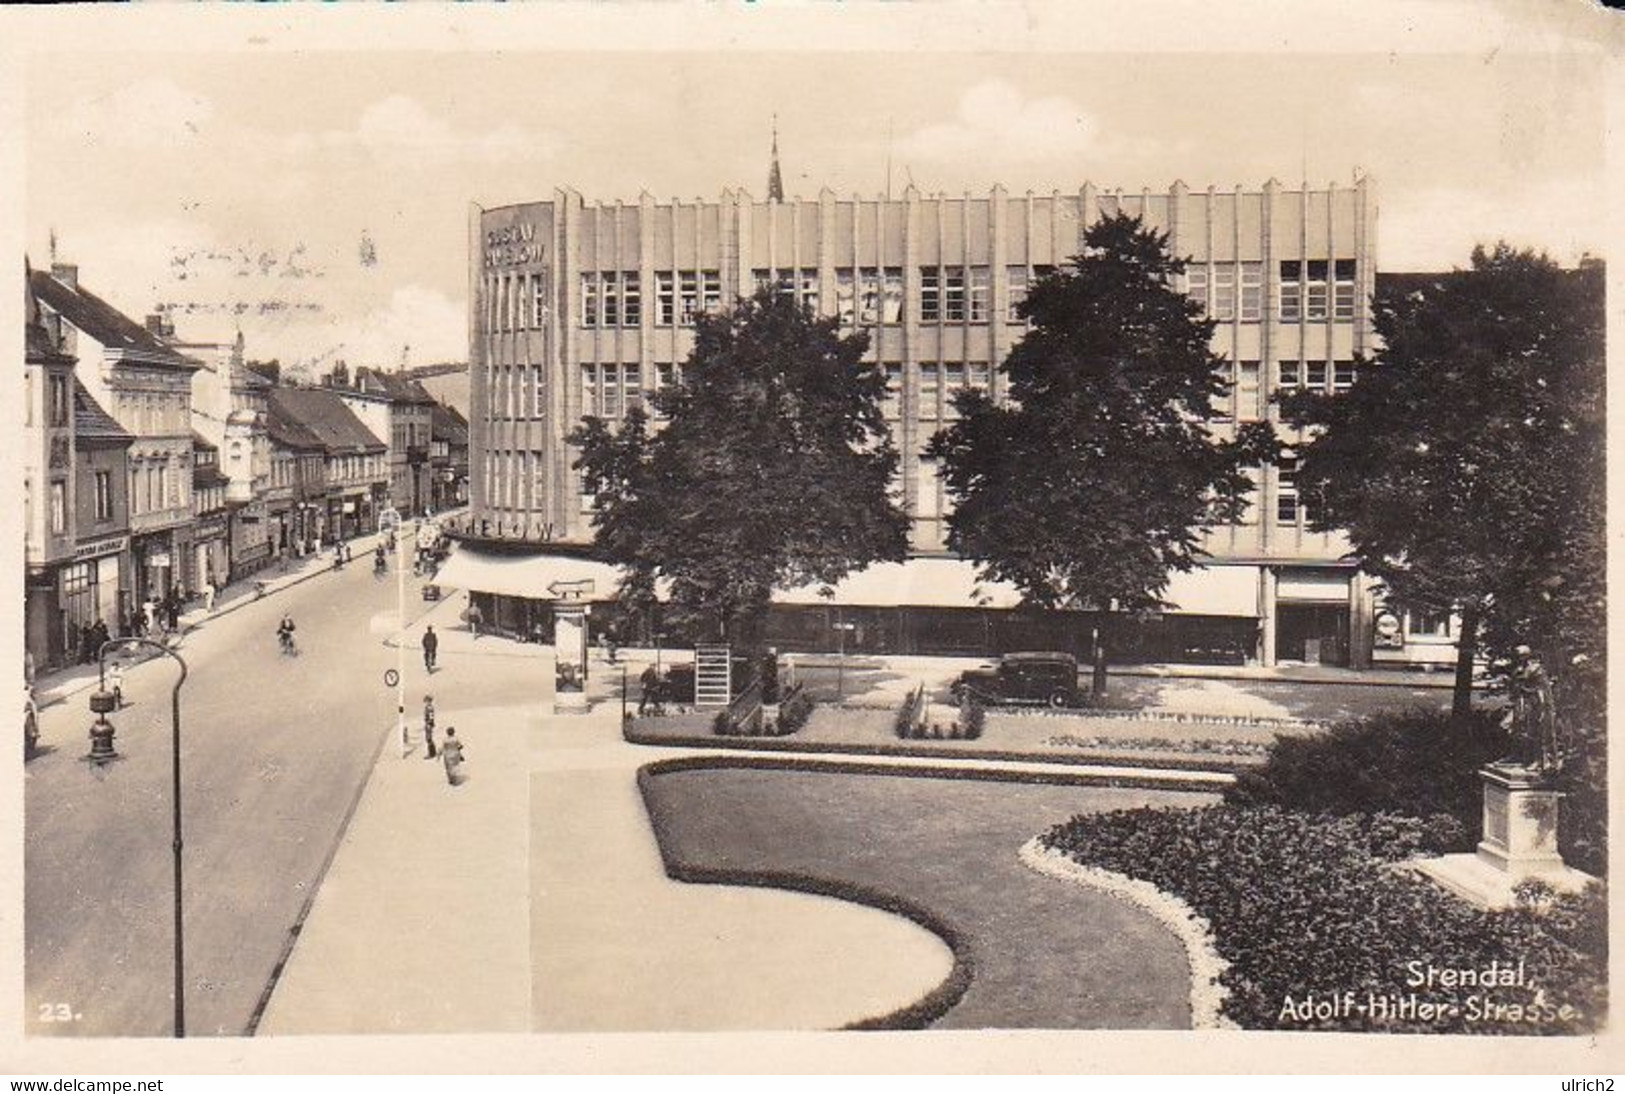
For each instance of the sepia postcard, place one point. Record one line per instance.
(940, 537)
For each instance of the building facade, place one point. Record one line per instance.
(49, 490)
(355, 464)
(146, 385)
(582, 309)
(409, 431)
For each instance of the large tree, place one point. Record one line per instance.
(1099, 476)
(1466, 462)
(770, 471)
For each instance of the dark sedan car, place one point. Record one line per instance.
(1049, 679)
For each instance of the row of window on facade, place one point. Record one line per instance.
(1243, 379)
(1313, 289)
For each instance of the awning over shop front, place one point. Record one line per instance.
(535, 577)
(917, 583)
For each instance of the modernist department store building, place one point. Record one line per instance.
(582, 308)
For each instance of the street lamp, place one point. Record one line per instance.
(102, 752)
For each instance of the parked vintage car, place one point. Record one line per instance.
(1049, 679)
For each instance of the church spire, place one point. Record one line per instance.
(775, 184)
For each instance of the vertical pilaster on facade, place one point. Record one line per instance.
(1266, 616)
(1087, 214)
(1331, 270)
(999, 340)
(1270, 331)
(1178, 197)
(1365, 211)
(647, 296)
(479, 433)
(826, 254)
(734, 243)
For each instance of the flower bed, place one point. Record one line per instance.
(1321, 932)
(1199, 745)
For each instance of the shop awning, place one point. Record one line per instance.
(535, 577)
(917, 583)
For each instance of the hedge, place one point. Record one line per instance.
(1306, 908)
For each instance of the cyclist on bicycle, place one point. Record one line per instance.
(284, 633)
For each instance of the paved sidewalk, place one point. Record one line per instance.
(422, 923)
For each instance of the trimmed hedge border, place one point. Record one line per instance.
(917, 1015)
(932, 771)
(1206, 966)
(1165, 716)
(1223, 765)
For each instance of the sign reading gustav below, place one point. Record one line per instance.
(515, 245)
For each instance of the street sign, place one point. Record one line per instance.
(391, 678)
(571, 590)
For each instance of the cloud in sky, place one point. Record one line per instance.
(996, 123)
(400, 127)
(151, 111)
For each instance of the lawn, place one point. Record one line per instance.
(1031, 952)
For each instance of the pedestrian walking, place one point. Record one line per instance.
(648, 688)
(431, 646)
(428, 727)
(153, 621)
(451, 754)
(475, 618)
(117, 675)
(172, 608)
(208, 594)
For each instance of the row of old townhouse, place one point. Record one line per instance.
(156, 467)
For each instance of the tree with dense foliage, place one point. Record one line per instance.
(770, 470)
(1466, 462)
(1100, 475)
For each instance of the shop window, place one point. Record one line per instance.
(1315, 290)
(930, 389)
(981, 286)
(665, 298)
(891, 298)
(1342, 375)
(1016, 292)
(688, 296)
(930, 295)
(1224, 293)
(1196, 287)
(1252, 292)
(631, 299)
(868, 296)
(1247, 391)
(953, 294)
(845, 308)
(891, 403)
(1291, 291)
(1428, 624)
(589, 300)
(1343, 289)
(609, 298)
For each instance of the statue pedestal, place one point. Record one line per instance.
(1519, 844)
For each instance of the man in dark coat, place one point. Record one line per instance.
(431, 646)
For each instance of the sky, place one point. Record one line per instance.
(318, 199)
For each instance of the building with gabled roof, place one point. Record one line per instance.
(356, 468)
(145, 384)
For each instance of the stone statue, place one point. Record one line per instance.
(1532, 716)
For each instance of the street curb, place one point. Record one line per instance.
(292, 942)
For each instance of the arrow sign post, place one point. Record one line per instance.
(571, 590)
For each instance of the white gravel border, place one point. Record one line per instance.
(1207, 993)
